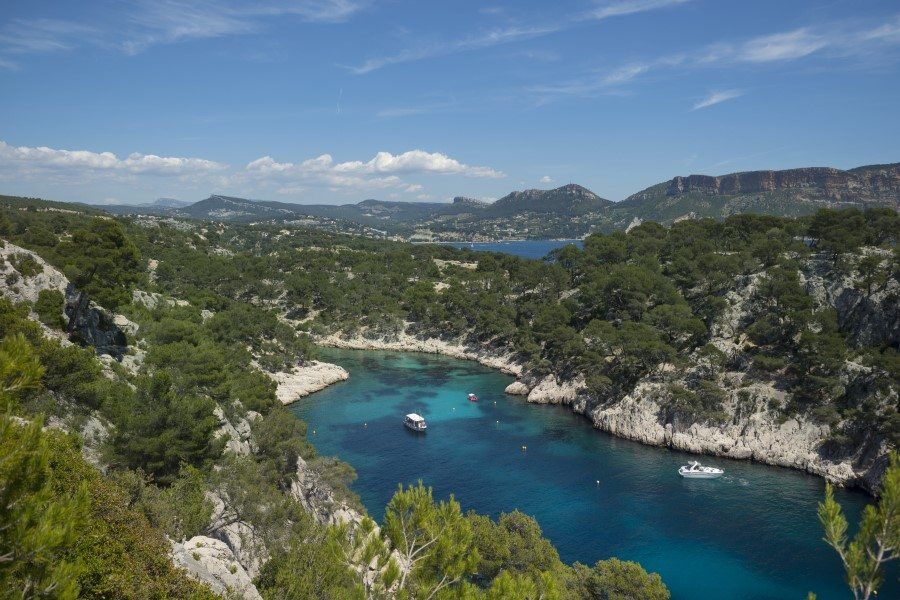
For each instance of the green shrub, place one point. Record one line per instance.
(49, 307)
(615, 579)
(26, 265)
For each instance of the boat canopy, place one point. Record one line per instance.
(414, 417)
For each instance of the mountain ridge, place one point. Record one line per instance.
(571, 210)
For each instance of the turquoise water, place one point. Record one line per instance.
(524, 248)
(751, 535)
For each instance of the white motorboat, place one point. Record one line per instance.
(694, 470)
(415, 422)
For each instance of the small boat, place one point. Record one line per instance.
(694, 470)
(473, 398)
(415, 422)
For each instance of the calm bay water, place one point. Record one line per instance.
(525, 248)
(751, 535)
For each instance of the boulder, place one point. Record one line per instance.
(91, 325)
(212, 562)
(517, 388)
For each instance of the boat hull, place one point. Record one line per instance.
(689, 475)
(416, 429)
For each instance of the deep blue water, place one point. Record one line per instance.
(525, 248)
(752, 534)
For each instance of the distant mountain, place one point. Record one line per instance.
(568, 200)
(229, 208)
(569, 211)
(792, 192)
(168, 203)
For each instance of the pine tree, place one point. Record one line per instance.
(36, 526)
(877, 541)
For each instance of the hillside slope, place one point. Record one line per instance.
(792, 192)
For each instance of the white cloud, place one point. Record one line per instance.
(493, 37)
(133, 27)
(717, 97)
(34, 36)
(25, 159)
(546, 179)
(785, 46)
(836, 41)
(412, 161)
(390, 113)
(506, 35)
(630, 7)
(383, 171)
(417, 161)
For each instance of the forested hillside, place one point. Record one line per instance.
(138, 477)
(654, 333)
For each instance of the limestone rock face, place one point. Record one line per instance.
(754, 427)
(864, 183)
(551, 391)
(125, 324)
(517, 388)
(868, 316)
(91, 325)
(240, 440)
(409, 342)
(245, 545)
(304, 380)
(761, 436)
(212, 562)
(152, 299)
(17, 287)
(318, 499)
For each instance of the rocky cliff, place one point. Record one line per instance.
(755, 426)
(862, 184)
(90, 325)
(87, 323)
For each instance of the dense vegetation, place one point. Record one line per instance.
(248, 298)
(153, 423)
(618, 311)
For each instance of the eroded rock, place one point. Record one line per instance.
(212, 562)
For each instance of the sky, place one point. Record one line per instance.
(336, 101)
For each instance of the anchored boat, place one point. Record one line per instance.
(473, 398)
(415, 422)
(694, 470)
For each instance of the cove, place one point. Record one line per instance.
(751, 535)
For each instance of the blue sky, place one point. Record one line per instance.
(335, 101)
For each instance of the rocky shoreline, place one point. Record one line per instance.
(406, 342)
(306, 379)
(758, 436)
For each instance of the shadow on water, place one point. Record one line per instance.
(752, 534)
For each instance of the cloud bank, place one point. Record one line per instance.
(383, 171)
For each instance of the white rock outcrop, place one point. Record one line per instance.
(241, 537)
(212, 562)
(319, 500)
(551, 391)
(408, 342)
(306, 379)
(240, 438)
(517, 388)
(27, 288)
